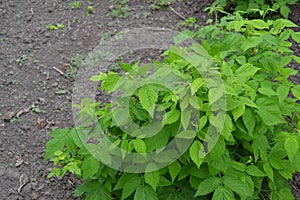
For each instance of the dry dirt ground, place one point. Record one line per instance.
(37, 70)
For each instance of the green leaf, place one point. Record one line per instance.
(246, 71)
(89, 167)
(185, 118)
(238, 112)
(248, 102)
(242, 188)
(259, 24)
(296, 91)
(145, 192)
(249, 120)
(223, 193)
(255, 171)
(195, 153)
(94, 191)
(268, 170)
(174, 170)
(125, 66)
(285, 11)
(196, 84)
(171, 117)
(202, 122)
(148, 97)
(267, 91)
(110, 82)
(291, 146)
(152, 178)
(189, 134)
(296, 36)
(215, 94)
(56, 143)
(282, 92)
(139, 146)
(207, 186)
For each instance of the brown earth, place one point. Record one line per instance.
(37, 70)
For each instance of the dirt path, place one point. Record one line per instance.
(37, 69)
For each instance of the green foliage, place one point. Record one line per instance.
(76, 4)
(120, 8)
(257, 151)
(255, 8)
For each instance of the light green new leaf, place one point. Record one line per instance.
(196, 84)
(57, 143)
(246, 71)
(139, 146)
(238, 112)
(110, 82)
(291, 146)
(202, 122)
(296, 91)
(152, 178)
(285, 11)
(174, 170)
(223, 193)
(207, 186)
(148, 97)
(267, 91)
(145, 192)
(248, 102)
(195, 151)
(171, 117)
(215, 94)
(296, 36)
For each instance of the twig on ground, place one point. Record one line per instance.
(59, 71)
(178, 14)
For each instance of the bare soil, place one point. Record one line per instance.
(37, 70)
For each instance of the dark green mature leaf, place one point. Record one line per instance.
(94, 191)
(145, 192)
(174, 170)
(223, 193)
(89, 166)
(242, 187)
(152, 178)
(148, 97)
(255, 171)
(207, 186)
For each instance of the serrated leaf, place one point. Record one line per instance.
(246, 71)
(94, 191)
(268, 170)
(145, 192)
(237, 185)
(267, 91)
(171, 117)
(89, 167)
(296, 36)
(56, 143)
(255, 171)
(291, 147)
(285, 11)
(152, 178)
(139, 146)
(215, 94)
(249, 120)
(207, 186)
(296, 91)
(195, 153)
(196, 84)
(223, 193)
(110, 82)
(238, 112)
(282, 92)
(148, 97)
(174, 170)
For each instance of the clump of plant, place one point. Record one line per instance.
(76, 4)
(52, 27)
(256, 130)
(161, 3)
(119, 8)
(255, 8)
